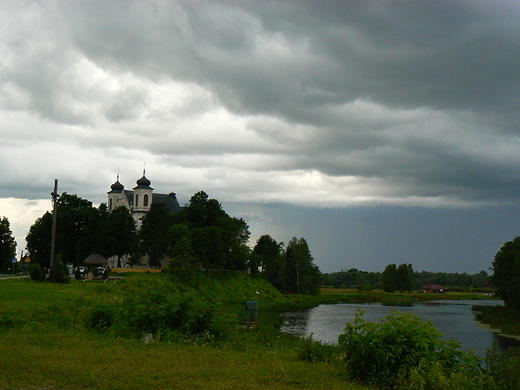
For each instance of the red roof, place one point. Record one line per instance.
(433, 287)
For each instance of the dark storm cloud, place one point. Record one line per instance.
(442, 54)
(318, 104)
(413, 54)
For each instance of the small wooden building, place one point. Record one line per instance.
(434, 288)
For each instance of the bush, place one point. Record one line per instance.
(37, 273)
(159, 306)
(7, 321)
(78, 275)
(502, 368)
(59, 273)
(100, 318)
(385, 353)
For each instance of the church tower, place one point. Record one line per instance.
(142, 196)
(116, 195)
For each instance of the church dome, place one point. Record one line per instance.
(143, 182)
(117, 186)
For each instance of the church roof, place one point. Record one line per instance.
(129, 195)
(170, 200)
(143, 182)
(117, 187)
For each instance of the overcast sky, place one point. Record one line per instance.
(381, 131)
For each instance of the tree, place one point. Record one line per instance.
(506, 273)
(202, 211)
(120, 233)
(388, 278)
(404, 278)
(38, 240)
(302, 276)
(235, 236)
(73, 216)
(181, 252)
(218, 240)
(269, 252)
(37, 273)
(7, 245)
(94, 236)
(154, 233)
(73, 241)
(59, 271)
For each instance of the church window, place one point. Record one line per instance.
(145, 200)
(136, 200)
(110, 204)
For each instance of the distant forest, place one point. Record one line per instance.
(365, 281)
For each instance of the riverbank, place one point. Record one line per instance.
(501, 319)
(338, 295)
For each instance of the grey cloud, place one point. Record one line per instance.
(415, 54)
(316, 103)
(385, 90)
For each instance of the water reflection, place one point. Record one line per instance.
(454, 319)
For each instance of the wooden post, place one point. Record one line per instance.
(55, 197)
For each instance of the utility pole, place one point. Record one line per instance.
(55, 197)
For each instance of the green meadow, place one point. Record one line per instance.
(46, 341)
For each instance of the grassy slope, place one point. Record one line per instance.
(44, 344)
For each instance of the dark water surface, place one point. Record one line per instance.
(454, 319)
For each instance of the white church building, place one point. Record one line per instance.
(140, 198)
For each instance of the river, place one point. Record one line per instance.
(454, 319)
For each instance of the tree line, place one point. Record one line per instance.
(200, 236)
(364, 280)
(290, 269)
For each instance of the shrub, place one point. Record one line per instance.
(385, 353)
(7, 321)
(78, 275)
(159, 306)
(59, 273)
(100, 318)
(502, 368)
(37, 273)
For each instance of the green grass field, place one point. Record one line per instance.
(44, 344)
